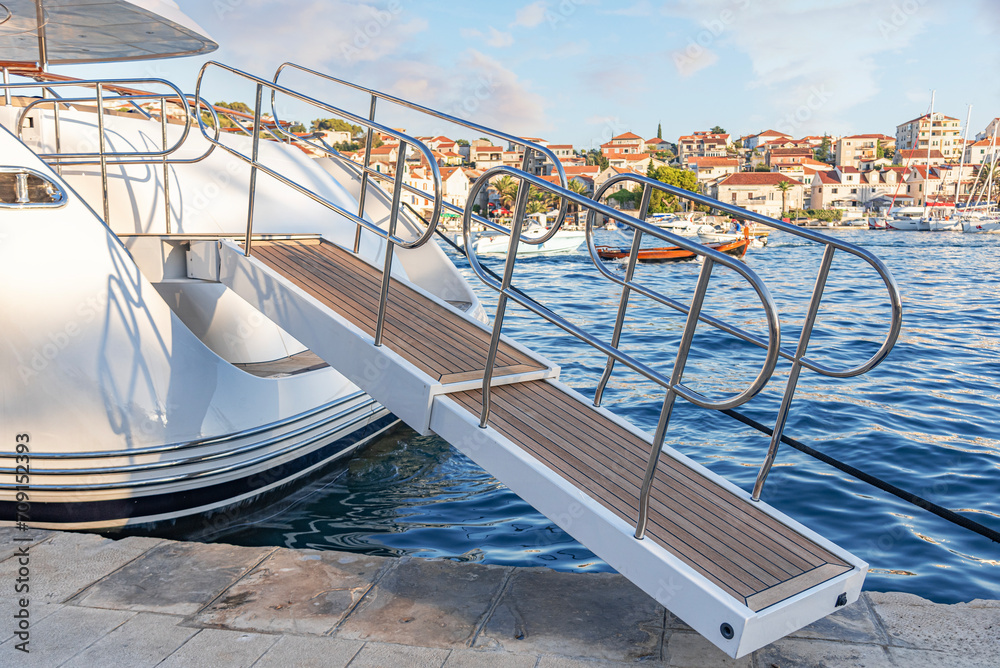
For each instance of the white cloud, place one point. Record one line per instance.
(495, 38)
(499, 39)
(640, 8)
(338, 32)
(531, 16)
(566, 50)
(811, 81)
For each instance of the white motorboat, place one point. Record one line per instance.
(710, 234)
(943, 224)
(906, 219)
(562, 242)
(140, 394)
(981, 225)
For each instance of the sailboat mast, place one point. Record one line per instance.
(961, 163)
(989, 178)
(930, 134)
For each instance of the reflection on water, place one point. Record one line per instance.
(927, 419)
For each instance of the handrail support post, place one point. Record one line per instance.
(364, 174)
(690, 325)
(793, 375)
(397, 192)
(253, 167)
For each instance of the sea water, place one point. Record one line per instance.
(927, 419)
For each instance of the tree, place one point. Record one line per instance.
(595, 157)
(535, 206)
(624, 197)
(337, 125)
(659, 131)
(462, 142)
(661, 202)
(879, 149)
(823, 152)
(507, 189)
(297, 127)
(717, 130)
(784, 187)
(762, 168)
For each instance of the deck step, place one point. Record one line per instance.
(328, 298)
(739, 572)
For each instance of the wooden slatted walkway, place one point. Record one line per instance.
(752, 556)
(436, 340)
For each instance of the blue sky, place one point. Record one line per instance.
(578, 71)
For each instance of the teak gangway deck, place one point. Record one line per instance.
(739, 572)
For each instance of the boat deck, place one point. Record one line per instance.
(419, 329)
(732, 542)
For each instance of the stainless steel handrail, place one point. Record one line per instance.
(673, 384)
(482, 129)
(256, 165)
(797, 357)
(60, 159)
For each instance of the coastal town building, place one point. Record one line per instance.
(942, 132)
(637, 162)
(703, 145)
(751, 142)
(852, 150)
(985, 150)
(657, 145)
(607, 173)
(992, 128)
(919, 156)
(486, 156)
(775, 158)
(759, 192)
(624, 144)
(708, 169)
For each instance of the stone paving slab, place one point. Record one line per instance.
(970, 629)
(921, 658)
(302, 592)
(11, 540)
(174, 578)
(144, 640)
(690, 650)
(853, 624)
(214, 648)
(600, 615)
(67, 563)
(382, 655)
(426, 603)
(62, 635)
(306, 652)
(823, 654)
(475, 658)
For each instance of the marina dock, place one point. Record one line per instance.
(154, 602)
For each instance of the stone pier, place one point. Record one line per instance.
(93, 601)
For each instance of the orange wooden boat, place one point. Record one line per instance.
(737, 247)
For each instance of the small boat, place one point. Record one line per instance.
(564, 241)
(737, 248)
(709, 235)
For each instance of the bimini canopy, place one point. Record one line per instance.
(97, 31)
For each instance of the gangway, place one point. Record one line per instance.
(735, 569)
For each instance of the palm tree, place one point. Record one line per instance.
(784, 187)
(535, 206)
(507, 189)
(579, 189)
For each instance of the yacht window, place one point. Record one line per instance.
(21, 187)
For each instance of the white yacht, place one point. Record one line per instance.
(144, 395)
